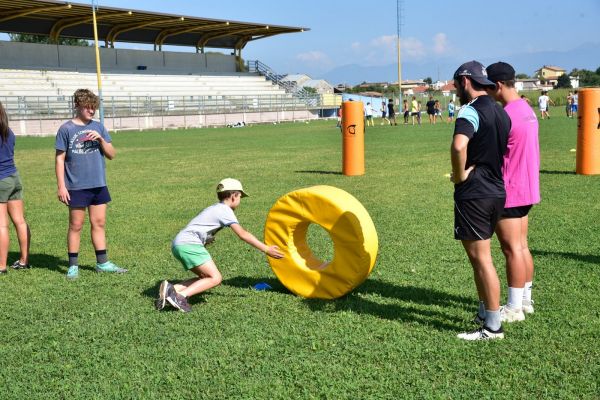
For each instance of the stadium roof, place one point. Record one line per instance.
(58, 19)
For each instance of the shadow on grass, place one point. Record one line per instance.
(319, 172)
(46, 261)
(547, 172)
(423, 306)
(589, 258)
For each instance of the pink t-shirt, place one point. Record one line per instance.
(521, 169)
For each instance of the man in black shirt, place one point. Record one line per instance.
(479, 143)
(430, 105)
(391, 112)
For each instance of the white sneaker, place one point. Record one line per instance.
(482, 333)
(507, 314)
(528, 306)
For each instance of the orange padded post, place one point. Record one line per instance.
(353, 137)
(588, 132)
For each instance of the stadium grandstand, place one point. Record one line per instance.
(142, 89)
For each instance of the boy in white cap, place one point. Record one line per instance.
(189, 246)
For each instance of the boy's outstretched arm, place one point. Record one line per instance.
(272, 251)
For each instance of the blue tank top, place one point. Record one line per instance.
(7, 156)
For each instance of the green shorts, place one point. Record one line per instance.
(11, 188)
(191, 255)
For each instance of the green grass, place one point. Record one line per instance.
(393, 337)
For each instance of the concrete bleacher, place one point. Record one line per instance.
(141, 89)
(15, 82)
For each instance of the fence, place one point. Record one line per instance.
(41, 115)
(52, 107)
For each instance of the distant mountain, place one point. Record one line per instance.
(583, 57)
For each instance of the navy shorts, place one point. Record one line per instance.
(89, 197)
(516, 212)
(476, 219)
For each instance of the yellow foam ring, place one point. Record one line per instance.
(351, 230)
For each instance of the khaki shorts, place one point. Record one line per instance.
(11, 188)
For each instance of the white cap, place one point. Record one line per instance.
(231, 184)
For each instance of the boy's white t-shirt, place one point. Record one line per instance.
(204, 226)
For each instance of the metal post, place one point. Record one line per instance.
(399, 6)
(98, 71)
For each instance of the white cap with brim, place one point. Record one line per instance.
(231, 184)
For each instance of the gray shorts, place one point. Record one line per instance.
(11, 188)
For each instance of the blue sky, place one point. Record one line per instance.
(364, 33)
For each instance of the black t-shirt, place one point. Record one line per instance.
(430, 106)
(391, 109)
(486, 124)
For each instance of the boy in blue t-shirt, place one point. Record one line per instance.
(451, 111)
(189, 246)
(81, 145)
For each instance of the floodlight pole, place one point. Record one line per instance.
(98, 70)
(398, 31)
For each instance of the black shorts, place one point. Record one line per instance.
(516, 212)
(476, 219)
(89, 197)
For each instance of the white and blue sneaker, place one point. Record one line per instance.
(73, 272)
(110, 267)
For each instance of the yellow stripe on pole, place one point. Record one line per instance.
(98, 69)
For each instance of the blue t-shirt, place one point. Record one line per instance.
(7, 156)
(84, 159)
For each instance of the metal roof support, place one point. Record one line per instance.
(65, 23)
(206, 38)
(239, 45)
(165, 33)
(32, 10)
(118, 29)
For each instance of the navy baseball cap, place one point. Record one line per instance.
(500, 72)
(476, 71)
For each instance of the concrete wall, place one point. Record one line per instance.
(23, 55)
(48, 127)
(43, 56)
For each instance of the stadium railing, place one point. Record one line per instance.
(53, 107)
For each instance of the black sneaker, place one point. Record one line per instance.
(17, 265)
(178, 301)
(163, 291)
(478, 320)
(3, 271)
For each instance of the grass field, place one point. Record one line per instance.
(393, 337)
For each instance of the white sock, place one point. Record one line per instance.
(527, 291)
(515, 298)
(481, 311)
(493, 320)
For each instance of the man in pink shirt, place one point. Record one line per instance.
(521, 173)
